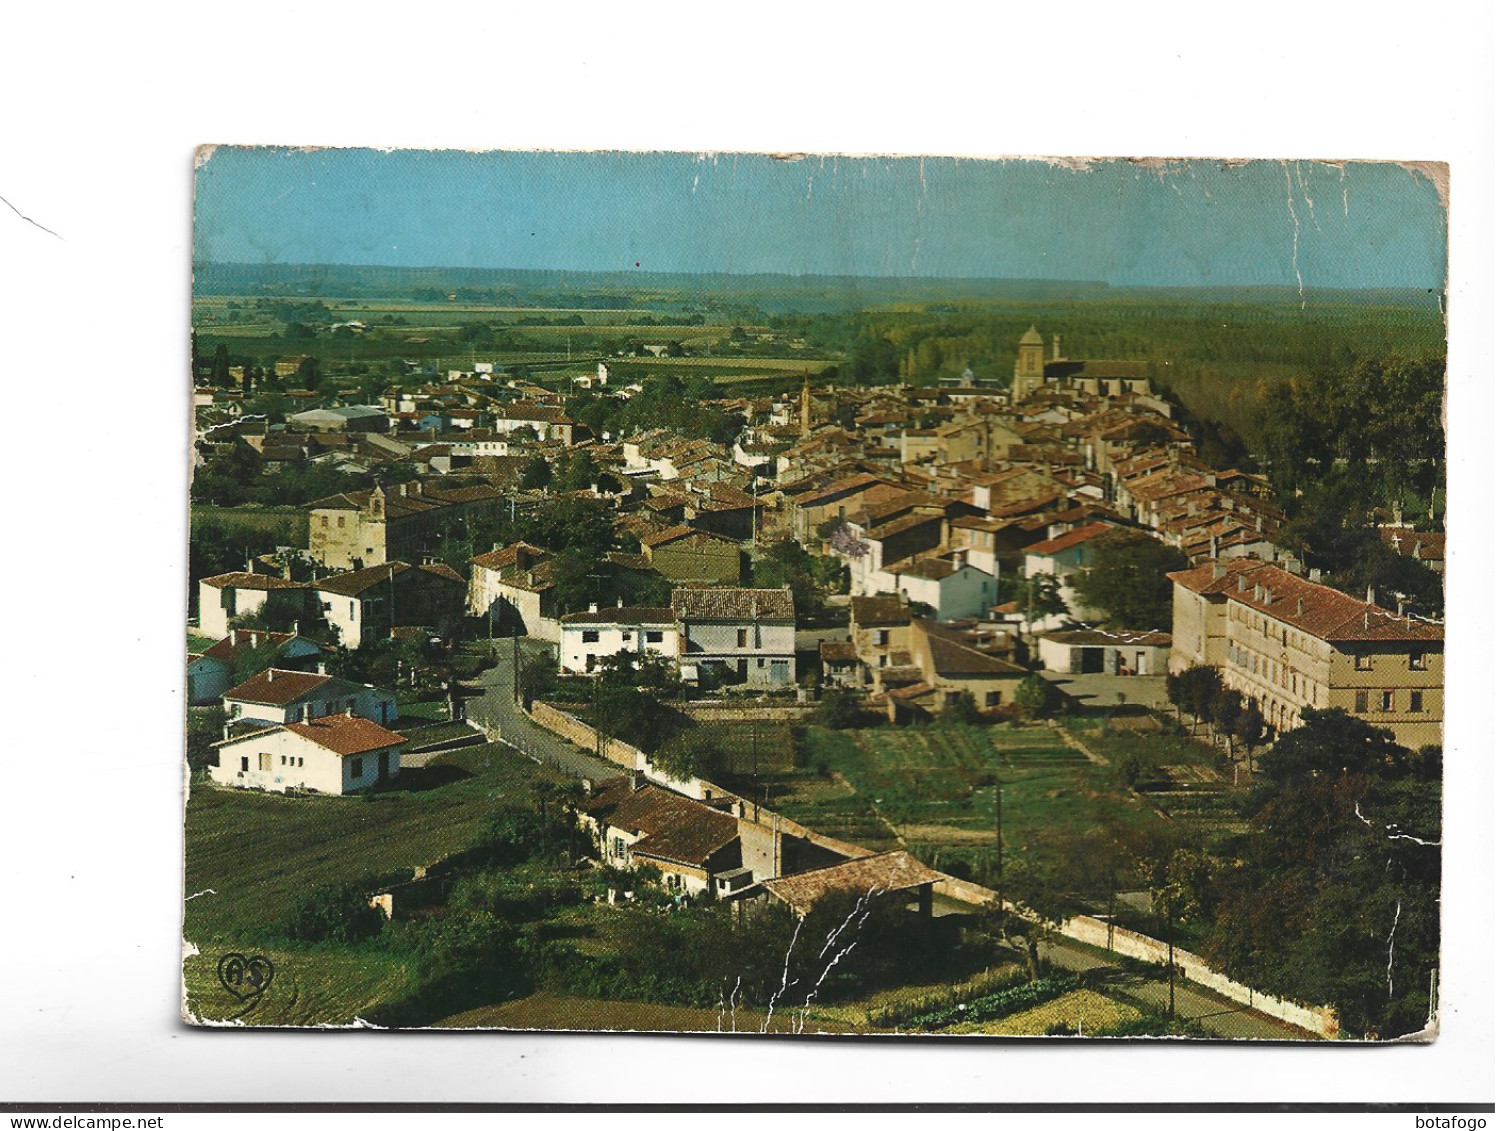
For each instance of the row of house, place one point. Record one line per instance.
(362, 604)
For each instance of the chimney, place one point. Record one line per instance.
(1301, 606)
(620, 603)
(1267, 595)
(1241, 582)
(1315, 575)
(402, 490)
(1217, 569)
(1257, 592)
(254, 639)
(592, 607)
(1371, 595)
(1215, 547)
(1402, 606)
(269, 675)
(1056, 341)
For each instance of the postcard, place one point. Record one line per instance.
(816, 594)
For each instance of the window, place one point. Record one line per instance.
(265, 761)
(1360, 702)
(324, 522)
(1415, 702)
(341, 522)
(301, 761)
(654, 638)
(283, 759)
(1387, 700)
(628, 637)
(1418, 661)
(352, 608)
(244, 764)
(742, 638)
(994, 698)
(589, 636)
(882, 636)
(356, 767)
(1363, 662)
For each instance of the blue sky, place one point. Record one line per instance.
(1199, 223)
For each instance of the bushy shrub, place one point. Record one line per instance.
(337, 913)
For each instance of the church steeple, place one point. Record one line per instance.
(805, 409)
(1028, 371)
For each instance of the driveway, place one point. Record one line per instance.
(1103, 690)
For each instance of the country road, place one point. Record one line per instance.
(496, 711)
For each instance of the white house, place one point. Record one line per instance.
(1113, 653)
(279, 696)
(338, 754)
(1062, 558)
(209, 673)
(736, 635)
(949, 584)
(228, 595)
(589, 637)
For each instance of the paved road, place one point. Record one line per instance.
(1220, 1017)
(496, 710)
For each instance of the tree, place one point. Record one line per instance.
(221, 376)
(579, 473)
(961, 708)
(691, 754)
(1333, 894)
(536, 475)
(839, 709)
(310, 372)
(1329, 742)
(1195, 690)
(1225, 709)
(1126, 580)
(1036, 695)
(1040, 597)
(204, 728)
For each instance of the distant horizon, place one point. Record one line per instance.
(1186, 224)
(1046, 281)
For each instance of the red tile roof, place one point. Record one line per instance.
(867, 876)
(242, 580)
(345, 735)
(1072, 538)
(733, 604)
(1305, 605)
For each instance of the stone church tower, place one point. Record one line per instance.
(1028, 372)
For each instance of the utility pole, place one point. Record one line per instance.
(1002, 914)
(1170, 905)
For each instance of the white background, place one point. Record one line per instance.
(102, 107)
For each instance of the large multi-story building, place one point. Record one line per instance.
(1290, 644)
(358, 529)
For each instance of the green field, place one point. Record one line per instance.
(932, 789)
(310, 987)
(260, 852)
(1180, 775)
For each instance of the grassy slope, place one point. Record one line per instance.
(310, 987)
(259, 852)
